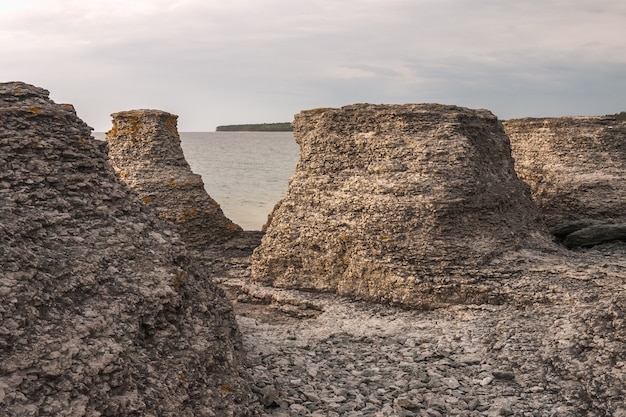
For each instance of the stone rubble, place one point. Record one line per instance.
(315, 354)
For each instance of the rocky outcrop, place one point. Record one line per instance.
(575, 167)
(144, 148)
(101, 312)
(405, 204)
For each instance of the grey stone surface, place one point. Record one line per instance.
(144, 148)
(101, 311)
(404, 204)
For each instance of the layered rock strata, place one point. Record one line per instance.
(398, 203)
(101, 312)
(144, 148)
(575, 167)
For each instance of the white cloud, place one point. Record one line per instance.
(214, 61)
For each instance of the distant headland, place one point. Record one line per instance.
(261, 127)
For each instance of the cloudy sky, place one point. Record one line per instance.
(216, 62)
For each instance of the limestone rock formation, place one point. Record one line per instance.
(101, 313)
(576, 168)
(398, 203)
(144, 148)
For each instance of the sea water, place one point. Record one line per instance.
(247, 173)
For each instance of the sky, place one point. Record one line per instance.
(217, 62)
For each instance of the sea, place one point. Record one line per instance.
(247, 173)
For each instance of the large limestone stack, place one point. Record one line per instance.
(100, 312)
(144, 148)
(398, 203)
(576, 168)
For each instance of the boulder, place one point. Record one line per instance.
(102, 313)
(595, 235)
(404, 204)
(144, 148)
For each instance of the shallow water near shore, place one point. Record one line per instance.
(247, 173)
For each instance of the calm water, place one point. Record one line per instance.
(245, 172)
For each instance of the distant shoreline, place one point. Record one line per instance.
(259, 127)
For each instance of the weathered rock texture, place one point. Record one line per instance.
(101, 313)
(398, 203)
(576, 168)
(144, 148)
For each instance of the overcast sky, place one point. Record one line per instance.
(216, 62)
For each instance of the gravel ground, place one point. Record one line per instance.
(321, 355)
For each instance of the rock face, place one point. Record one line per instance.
(400, 203)
(576, 168)
(101, 312)
(144, 148)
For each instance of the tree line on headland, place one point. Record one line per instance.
(260, 127)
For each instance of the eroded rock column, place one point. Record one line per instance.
(144, 148)
(575, 167)
(398, 203)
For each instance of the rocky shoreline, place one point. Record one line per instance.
(110, 310)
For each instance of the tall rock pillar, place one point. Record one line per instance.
(398, 203)
(144, 148)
